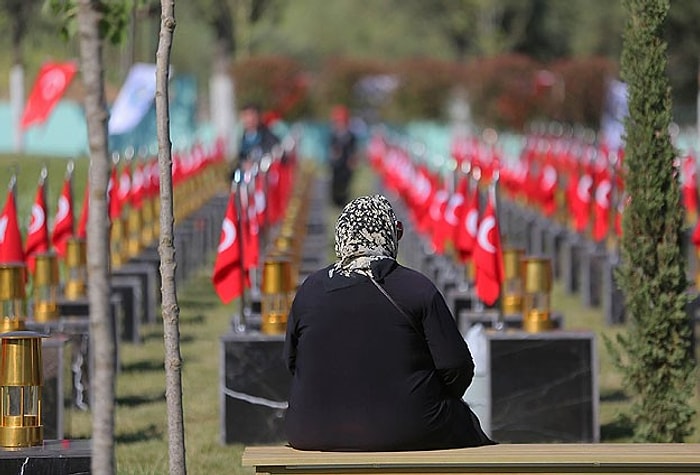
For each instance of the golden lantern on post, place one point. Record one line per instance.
(512, 302)
(276, 290)
(46, 284)
(133, 242)
(117, 236)
(537, 273)
(21, 380)
(12, 296)
(76, 262)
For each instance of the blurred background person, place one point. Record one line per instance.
(342, 155)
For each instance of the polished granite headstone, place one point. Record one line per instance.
(535, 388)
(612, 299)
(131, 290)
(592, 267)
(493, 319)
(54, 457)
(571, 251)
(150, 286)
(553, 241)
(254, 388)
(56, 390)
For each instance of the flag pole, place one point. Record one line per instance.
(239, 324)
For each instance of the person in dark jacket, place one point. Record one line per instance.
(375, 372)
(257, 139)
(342, 155)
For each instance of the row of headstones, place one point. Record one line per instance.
(254, 380)
(527, 387)
(134, 302)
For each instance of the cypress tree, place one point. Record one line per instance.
(655, 352)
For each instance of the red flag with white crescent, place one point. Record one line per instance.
(82, 221)
(63, 221)
(227, 276)
(11, 250)
(602, 207)
(468, 226)
(38, 232)
(488, 257)
(51, 82)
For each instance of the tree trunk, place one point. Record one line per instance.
(102, 335)
(166, 248)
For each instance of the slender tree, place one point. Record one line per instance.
(166, 248)
(102, 337)
(655, 354)
(96, 21)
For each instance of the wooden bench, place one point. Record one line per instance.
(504, 458)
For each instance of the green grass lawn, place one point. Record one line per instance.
(141, 424)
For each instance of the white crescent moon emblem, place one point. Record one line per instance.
(37, 220)
(471, 223)
(3, 228)
(52, 83)
(440, 198)
(423, 189)
(124, 185)
(454, 203)
(229, 236)
(583, 190)
(601, 194)
(483, 237)
(259, 201)
(550, 176)
(63, 208)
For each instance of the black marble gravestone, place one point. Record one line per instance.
(254, 388)
(55, 391)
(54, 457)
(536, 387)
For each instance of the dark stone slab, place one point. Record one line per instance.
(54, 457)
(492, 319)
(131, 290)
(571, 253)
(150, 286)
(613, 301)
(592, 266)
(56, 391)
(254, 388)
(536, 388)
(554, 236)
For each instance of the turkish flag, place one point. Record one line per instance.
(38, 233)
(63, 222)
(689, 185)
(113, 195)
(11, 250)
(466, 232)
(228, 273)
(50, 84)
(138, 189)
(547, 188)
(580, 199)
(82, 221)
(601, 207)
(251, 231)
(488, 257)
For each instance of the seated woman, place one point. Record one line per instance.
(376, 358)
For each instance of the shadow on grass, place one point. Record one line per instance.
(133, 401)
(614, 395)
(143, 366)
(159, 336)
(192, 319)
(620, 428)
(151, 432)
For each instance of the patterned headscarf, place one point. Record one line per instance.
(366, 231)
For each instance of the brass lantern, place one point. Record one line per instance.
(12, 296)
(46, 284)
(276, 295)
(21, 380)
(133, 242)
(76, 262)
(512, 301)
(537, 272)
(117, 237)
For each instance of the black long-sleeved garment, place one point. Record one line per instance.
(364, 378)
